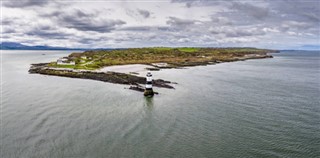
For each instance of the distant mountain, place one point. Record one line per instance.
(310, 47)
(19, 46)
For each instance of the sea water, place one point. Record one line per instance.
(254, 108)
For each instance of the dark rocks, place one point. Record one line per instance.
(137, 88)
(112, 77)
(153, 69)
(134, 73)
(140, 89)
(148, 93)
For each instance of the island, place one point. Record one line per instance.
(87, 65)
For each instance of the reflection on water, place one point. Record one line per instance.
(148, 102)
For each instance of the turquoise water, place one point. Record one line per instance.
(255, 108)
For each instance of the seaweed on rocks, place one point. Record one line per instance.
(112, 77)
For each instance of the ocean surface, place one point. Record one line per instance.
(255, 108)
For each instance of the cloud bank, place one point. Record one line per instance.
(276, 24)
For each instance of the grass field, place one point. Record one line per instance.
(95, 59)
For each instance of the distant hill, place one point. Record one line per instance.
(19, 46)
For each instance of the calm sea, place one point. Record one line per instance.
(256, 108)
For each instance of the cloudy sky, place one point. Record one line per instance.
(277, 24)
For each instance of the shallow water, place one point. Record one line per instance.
(255, 108)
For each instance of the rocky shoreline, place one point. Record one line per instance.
(203, 63)
(134, 81)
(112, 77)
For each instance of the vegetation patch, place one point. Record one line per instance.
(174, 57)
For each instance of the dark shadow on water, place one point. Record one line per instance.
(148, 113)
(149, 103)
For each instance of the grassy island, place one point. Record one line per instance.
(171, 57)
(80, 65)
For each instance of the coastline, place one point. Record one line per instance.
(133, 79)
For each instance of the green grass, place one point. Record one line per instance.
(173, 56)
(188, 49)
(64, 66)
(162, 48)
(183, 49)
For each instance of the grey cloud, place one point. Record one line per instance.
(6, 37)
(137, 28)
(7, 21)
(220, 20)
(251, 10)
(272, 12)
(297, 10)
(8, 30)
(138, 14)
(90, 40)
(145, 28)
(237, 32)
(50, 15)
(174, 21)
(297, 25)
(48, 34)
(243, 33)
(193, 3)
(47, 31)
(104, 26)
(231, 21)
(312, 16)
(144, 13)
(164, 28)
(134, 37)
(24, 3)
(85, 21)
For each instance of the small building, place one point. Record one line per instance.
(83, 57)
(65, 61)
